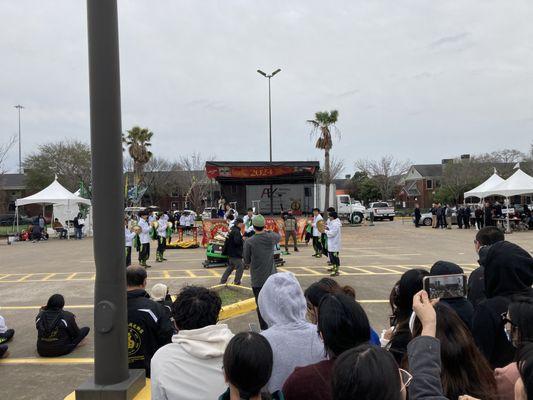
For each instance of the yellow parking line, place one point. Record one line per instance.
(24, 278)
(71, 276)
(283, 269)
(311, 270)
(48, 277)
(38, 361)
(4, 276)
(387, 269)
(166, 275)
(214, 273)
(191, 274)
(363, 270)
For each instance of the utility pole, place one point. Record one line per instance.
(19, 107)
(112, 380)
(269, 76)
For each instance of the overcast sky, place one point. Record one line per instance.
(422, 80)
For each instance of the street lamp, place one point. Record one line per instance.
(269, 76)
(19, 107)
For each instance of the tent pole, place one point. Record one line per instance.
(68, 216)
(508, 223)
(17, 214)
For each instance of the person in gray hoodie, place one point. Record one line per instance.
(294, 341)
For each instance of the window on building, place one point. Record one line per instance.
(429, 184)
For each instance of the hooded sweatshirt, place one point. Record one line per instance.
(294, 341)
(460, 305)
(508, 272)
(190, 368)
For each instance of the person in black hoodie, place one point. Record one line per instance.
(233, 249)
(485, 237)
(508, 273)
(460, 305)
(57, 331)
(149, 326)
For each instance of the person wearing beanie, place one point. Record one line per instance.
(160, 294)
(258, 253)
(508, 274)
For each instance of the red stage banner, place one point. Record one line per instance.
(210, 227)
(214, 172)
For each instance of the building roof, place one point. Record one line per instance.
(429, 170)
(12, 182)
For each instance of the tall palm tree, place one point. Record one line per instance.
(137, 141)
(323, 124)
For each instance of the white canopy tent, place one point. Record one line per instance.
(55, 193)
(484, 189)
(516, 184)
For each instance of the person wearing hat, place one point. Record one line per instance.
(159, 294)
(144, 239)
(233, 247)
(129, 235)
(259, 255)
(291, 227)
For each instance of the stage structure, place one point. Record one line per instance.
(294, 184)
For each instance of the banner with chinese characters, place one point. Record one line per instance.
(214, 172)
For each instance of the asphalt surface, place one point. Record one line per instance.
(373, 259)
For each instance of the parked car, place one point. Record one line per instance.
(11, 220)
(381, 210)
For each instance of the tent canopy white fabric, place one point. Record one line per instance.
(55, 193)
(483, 190)
(518, 183)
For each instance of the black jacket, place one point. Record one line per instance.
(149, 328)
(508, 273)
(56, 329)
(234, 243)
(476, 280)
(418, 214)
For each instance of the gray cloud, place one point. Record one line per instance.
(397, 71)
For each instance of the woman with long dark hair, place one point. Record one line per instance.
(342, 325)
(57, 331)
(247, 364)
(318, 290)
(464, 368)
(401, 299)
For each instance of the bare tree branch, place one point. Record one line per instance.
(386, 172)
(4, 150)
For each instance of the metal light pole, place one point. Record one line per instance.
(269, 76)
(112, 380)
(19, 107)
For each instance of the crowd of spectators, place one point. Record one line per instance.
(319, 343)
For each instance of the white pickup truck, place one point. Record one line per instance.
(350, 209)
(381, 210)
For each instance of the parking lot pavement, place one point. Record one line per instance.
(372, 258)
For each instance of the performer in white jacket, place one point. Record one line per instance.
(128, 237)
(161, 238)
(144, 238)
(333, 232)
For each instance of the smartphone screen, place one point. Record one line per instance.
(445, 286)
